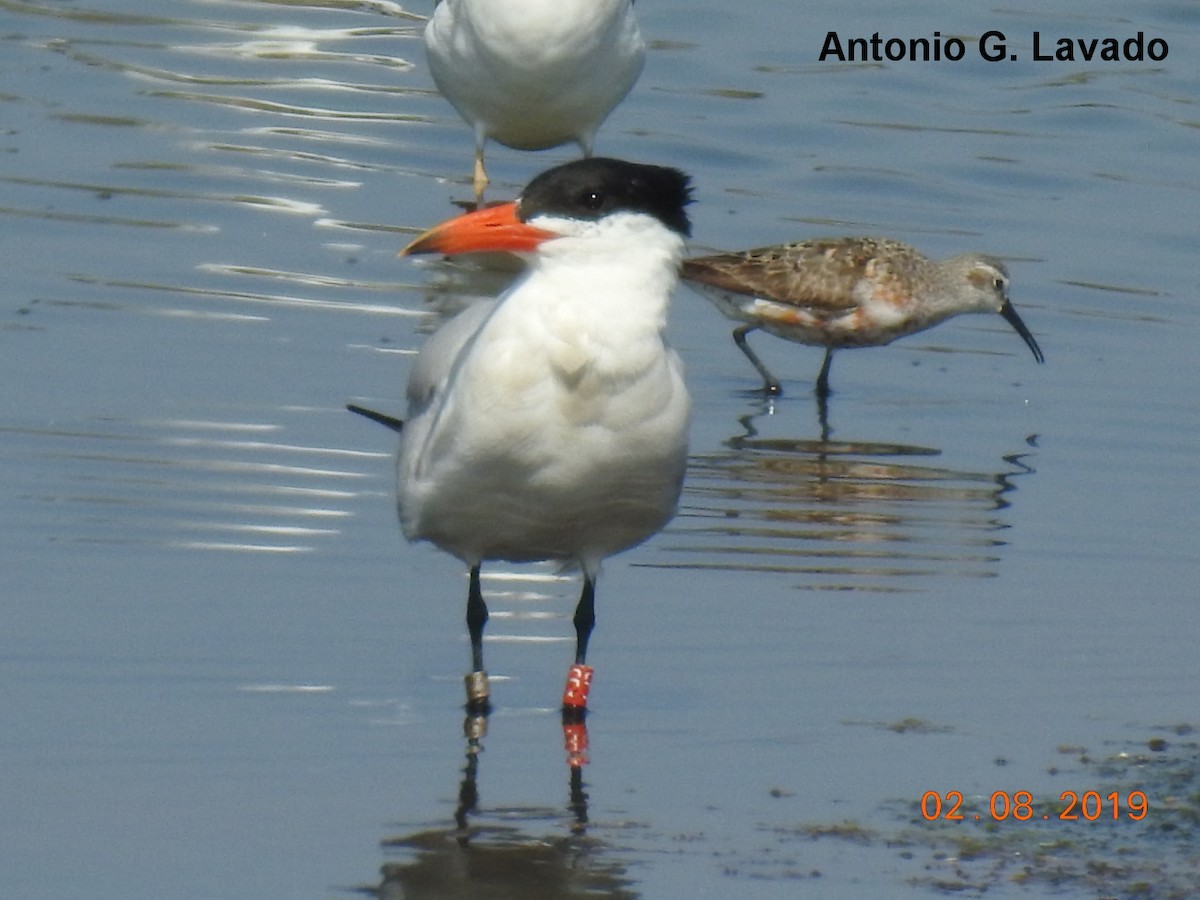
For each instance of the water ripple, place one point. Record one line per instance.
(846, 516)
(185, 484)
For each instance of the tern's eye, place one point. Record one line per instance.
(592, 199)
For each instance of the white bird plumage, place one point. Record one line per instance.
(533, 74)
(540, 423)
(551, 423)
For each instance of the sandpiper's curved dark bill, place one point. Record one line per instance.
(536, 73)
(551, 423)
(848, 292)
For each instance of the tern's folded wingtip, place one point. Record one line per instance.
(396, 425)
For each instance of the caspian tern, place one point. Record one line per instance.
(533, 74)
(848, 292)
(551, 423)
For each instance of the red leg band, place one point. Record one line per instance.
(579, 682)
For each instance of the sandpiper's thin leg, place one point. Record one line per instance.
(822, 387)
(770, 382)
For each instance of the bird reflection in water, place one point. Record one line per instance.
(495, 854)
(843, 515)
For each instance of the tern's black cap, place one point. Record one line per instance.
(595, 187)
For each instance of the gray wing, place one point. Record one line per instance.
(435, 362)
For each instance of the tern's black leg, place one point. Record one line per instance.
(477, 616)
(585, 620)
(579, 676)
(770, 382)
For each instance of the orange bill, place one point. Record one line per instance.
(489, 229)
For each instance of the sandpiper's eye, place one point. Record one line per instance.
(999, 283)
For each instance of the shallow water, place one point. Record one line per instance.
(227, 675)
